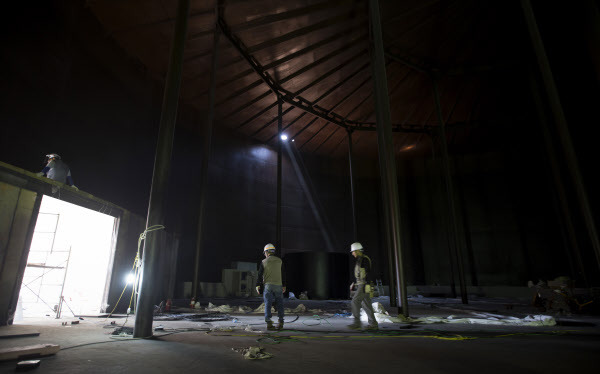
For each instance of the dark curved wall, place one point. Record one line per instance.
(68, 88)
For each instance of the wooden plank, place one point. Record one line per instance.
(17, 331)
(36, 350)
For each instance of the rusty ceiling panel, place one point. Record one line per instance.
(318, 49)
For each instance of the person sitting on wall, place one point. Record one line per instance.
(57, 170)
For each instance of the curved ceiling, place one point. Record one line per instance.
(317, 51)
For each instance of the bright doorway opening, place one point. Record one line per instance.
(70, 262)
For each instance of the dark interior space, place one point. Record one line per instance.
(71, 85)
(491, 144)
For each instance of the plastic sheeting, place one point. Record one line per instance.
(382, 316)
(221, 308)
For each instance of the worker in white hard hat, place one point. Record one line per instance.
(271, 281)
(361, 298)
(57, 170)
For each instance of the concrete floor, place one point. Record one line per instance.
(321, 343)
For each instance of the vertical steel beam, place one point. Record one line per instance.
(450, 192)
(352, 189)
(387, 231)
(279, 145)
(206, 153)
(561, 125)
(565, 209)
(386, 148)
(160, 178)
(445, 218)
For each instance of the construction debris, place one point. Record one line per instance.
(557, 296)
(535, 320)
(253, 353)
(299, 309)
(379, 308)
(244, 309)
(382, 316)
(261, 309)
(222, 308)
(27, 365)
(14, 353)
(123, 331)
(222, 329)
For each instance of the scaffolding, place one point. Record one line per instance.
(46, 272)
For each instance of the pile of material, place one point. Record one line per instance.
(382, 316)
(253, 353)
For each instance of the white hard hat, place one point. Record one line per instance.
(53, 155)
(269, 247)
(356, 247)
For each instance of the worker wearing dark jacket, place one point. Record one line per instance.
(271, 280)
(361, 295)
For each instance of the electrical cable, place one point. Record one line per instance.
(127, 337)
(84, 344)
(318, 318)
(136, 266)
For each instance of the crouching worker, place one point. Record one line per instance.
(57, 170)
(361, 297)
(271, 280)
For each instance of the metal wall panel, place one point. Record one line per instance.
(18, 214)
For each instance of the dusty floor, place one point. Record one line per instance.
(318, 341)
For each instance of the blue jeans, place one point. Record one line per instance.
(273, 293)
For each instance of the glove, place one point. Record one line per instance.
(39, 174)
(352, 287)
(258, 289)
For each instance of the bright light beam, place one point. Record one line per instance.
(284, 137)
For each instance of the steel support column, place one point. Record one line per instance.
(279, 145)
(572, 247)
(160, 178)
(444, 215)
(561, 125)
(352, 189)
(387, 231)
(450, 192)
(386, 149)
(206, 154)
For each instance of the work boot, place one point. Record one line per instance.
(270, 325)
(355, 326)
(373, 327)
(280, 325)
